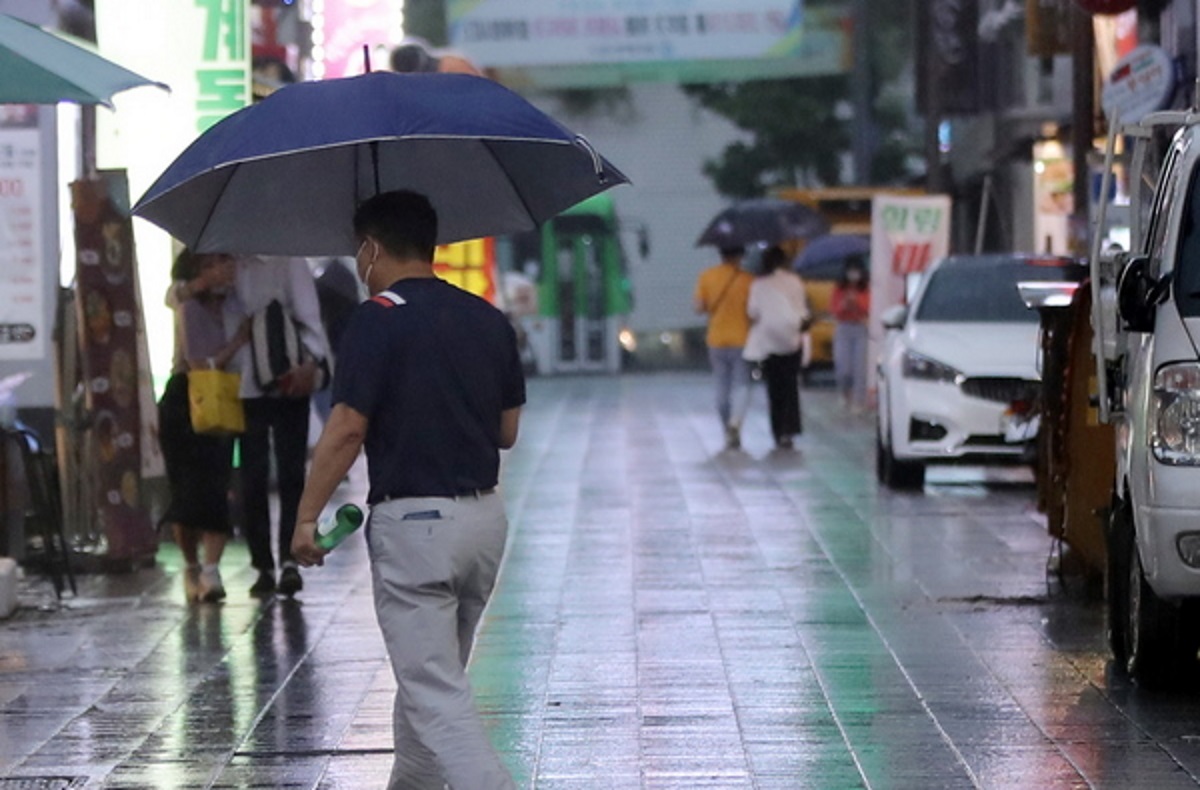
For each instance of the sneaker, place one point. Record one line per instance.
(265, 584)
(211, 588)
(191, 583)
(290, 581)
(733, 438)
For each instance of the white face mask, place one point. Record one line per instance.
(366, 276)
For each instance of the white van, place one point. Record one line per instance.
(1146, 320)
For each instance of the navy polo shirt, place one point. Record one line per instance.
(432, 370)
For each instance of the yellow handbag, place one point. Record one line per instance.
(215, 402)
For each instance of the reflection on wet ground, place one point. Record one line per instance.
(670, 616)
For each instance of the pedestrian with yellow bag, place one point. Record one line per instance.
(197, 447)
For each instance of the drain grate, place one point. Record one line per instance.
(42, 782)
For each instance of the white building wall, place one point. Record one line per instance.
(661, 142)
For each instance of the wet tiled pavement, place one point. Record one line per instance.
(670, 616)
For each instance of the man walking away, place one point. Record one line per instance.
(429, 380)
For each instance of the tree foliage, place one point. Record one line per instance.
(798, 131)
(796, 137)
(426, 19)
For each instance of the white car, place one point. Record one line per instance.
(958, 373)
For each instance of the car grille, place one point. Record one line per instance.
(1000, 390)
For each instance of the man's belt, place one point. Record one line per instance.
(466, 493)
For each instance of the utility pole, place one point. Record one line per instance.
(1083, 111)
(863, 138)
(932, 76)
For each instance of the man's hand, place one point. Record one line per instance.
(305, 550)
(300, 381)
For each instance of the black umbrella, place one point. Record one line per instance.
(762, 220)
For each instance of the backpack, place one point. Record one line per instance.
(275, 345)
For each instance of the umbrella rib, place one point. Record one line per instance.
(212, 209)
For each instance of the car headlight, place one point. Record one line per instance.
(1175, 415)
(918, 366)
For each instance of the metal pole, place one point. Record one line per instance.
(864, 122)
(1083, 110)
(933, 104)
(981, 225)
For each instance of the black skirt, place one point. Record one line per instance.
(199, 468)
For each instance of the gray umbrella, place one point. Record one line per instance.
(37, 67)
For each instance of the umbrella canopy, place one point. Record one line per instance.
(831, 249)
(37, 67)
(762, 220)
(283, 177)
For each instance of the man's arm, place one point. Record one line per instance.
(333, 456)
(509, 423)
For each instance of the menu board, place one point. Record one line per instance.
(107, 302)
(22, 334)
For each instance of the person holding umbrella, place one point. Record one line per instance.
(721, 294)
(430, 382)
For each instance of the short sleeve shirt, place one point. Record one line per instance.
(723, 290)
(431, 367)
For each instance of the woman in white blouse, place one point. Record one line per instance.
(779, 314)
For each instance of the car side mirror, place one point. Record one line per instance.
(1139, 294)
(894, 317)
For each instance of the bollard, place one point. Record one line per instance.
(8, 586)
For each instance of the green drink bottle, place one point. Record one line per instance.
(347, 519)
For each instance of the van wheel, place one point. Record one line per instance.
(1155, 646)
(896, 474)
(1116, 578)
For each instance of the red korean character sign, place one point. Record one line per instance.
(908, 233)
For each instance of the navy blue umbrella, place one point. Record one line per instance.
(762, 221)
(283, 177)
(831, 249)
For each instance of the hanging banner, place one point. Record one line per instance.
(22, 315)
(544, 32)
(949, 57)
(345, 26)
(107, 300)
(908, 233)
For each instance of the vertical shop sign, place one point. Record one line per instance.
(106, 283)
(951, 34)
(470, 265)
(223, 76)
(22, 333)
(908, 233)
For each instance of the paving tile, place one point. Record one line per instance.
(670, 615)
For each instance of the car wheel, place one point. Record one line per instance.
(1116, 578)
(1155, 649)
(896, 474)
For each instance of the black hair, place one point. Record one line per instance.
(854, 262)
(732, 251)
(413, 56)
(773, 258)
(186, 265)
(404, 222)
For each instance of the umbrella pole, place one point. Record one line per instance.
(375, 163)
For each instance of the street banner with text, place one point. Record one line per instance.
(908, 233)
